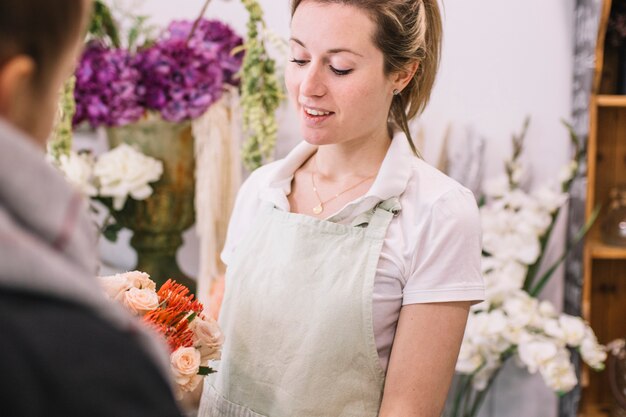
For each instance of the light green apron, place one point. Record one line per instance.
(297, 317)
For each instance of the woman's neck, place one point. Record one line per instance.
(358, 158)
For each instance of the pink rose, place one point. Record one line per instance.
(139, 279)
(185, 363)
(115, 286)
(208, 337)
(141, 301)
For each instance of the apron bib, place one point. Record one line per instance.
(297, 316)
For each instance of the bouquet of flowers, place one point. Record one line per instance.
(512, 322)
(193, 337)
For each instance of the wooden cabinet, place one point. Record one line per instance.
(604, 288)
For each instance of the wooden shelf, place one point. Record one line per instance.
(605, 100)
(595, 411)
(600, 250)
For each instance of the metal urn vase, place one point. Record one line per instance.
(159, 221)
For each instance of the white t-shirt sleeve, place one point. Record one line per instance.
(446, 261)
(241, 218)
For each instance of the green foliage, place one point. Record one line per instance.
(61, 141)
(102, 25)
(260, 92)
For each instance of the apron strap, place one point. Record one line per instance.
(378, 218)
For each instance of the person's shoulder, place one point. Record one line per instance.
(86, 361)
(259, 178)
(429, 189)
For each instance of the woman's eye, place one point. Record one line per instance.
(340, 72)
(299, 62)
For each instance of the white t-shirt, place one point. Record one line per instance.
(432, 249)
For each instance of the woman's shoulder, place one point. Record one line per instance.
(429, 188)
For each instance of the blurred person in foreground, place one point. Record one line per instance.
(65, 350)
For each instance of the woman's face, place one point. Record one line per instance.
(335, 78)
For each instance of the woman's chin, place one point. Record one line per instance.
(316, 139)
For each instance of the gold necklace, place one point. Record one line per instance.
(320, 207)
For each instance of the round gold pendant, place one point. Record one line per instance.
(318, 209)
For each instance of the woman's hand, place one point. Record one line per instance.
(424, 353)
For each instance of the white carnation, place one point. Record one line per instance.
(124, 172)
(78, 170)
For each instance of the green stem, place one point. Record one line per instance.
(464, 382)
(534, 268)
(480, 397)
(565, 188)
(581, 233)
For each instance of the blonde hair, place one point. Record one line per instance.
(407, 31)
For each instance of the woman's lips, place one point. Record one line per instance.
(315, 120)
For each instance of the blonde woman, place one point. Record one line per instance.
(352, 263)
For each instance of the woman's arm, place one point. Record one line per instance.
(424, 353)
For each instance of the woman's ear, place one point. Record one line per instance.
(16, 77)
(402, 78)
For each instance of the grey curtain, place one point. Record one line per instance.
(586, 28)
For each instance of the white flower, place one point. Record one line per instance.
(78, 170)
(140, 301)
(546, 309)
(115, 286)
(559, 374)
(482, 377)
(549, 199)
(125, 171)
(553, 329)
(573, 328)
(521, 309)
(469, 359)
(568, 171)
(496, 187)
(592, 352)
(536, 353)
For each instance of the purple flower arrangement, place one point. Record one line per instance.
(177, 76)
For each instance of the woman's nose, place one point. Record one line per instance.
(312, 84)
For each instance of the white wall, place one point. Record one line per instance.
(502, 60)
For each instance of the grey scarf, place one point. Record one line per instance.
(48, 242)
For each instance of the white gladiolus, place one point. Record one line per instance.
(482, 377)
(496, 187)
(559, 374)
(568, 172)
(124, 172)
(592, 352)
(537, 353)
(511, 322)
(469, 359)
(553, 329)
(573, 329)
(549, 199)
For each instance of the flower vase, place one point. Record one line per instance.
(159, 221)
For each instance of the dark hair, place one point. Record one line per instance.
(408, 31)
(41, 29)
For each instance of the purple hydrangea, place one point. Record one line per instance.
(177, 77)
(178, 80)
(216, 37)
(106, 87)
